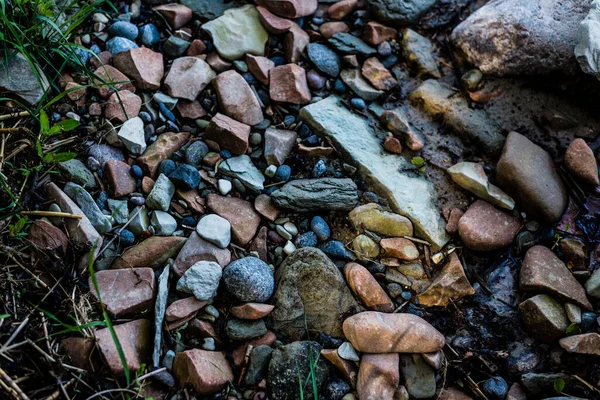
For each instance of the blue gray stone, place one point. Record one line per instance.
(249, 279)
(89, 207)
(324, 59)
(123, 29)
(161, 194)
(185, 177)
(118, 45)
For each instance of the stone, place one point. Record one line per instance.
(79, 352)
(375, 33)
(260, 67)
(125, 292)
(197, 249)
(328, 29)
(485, 228)
(375, 332)
(587, 343)
(272, 23)
(374, 218)
(259, 244)
(236, 98)
(341, 9)
(362, 88)
(452, 393)
(19, 78)
(162, 149)
(322, 194)
(374, 71)
(139, 223)
(240, 214)
(187, 77)
(451, 283)
(210, 9)
(206, 371)
(237, 32)
(152, 252)
(537, 37)
(397, 122)
(185, 177)
(258, 365)
(218, 63)
(48, 239)
(587, 47)
(324, 59)
(201, 279)
(251, 311)
(473, 125)
(183, 308)
(76, 171)
(122, 105)
(119, 44)
(265, 207)
(144, 66)
(543, 271)
(149, 34)
(592, 286)
(132, 135)
(278, 145)
(88, 206)
(123, 29)
(160, 306)
(471, 176)
(215, 229)
(311, 294)
(366, 288)
(581, 163)
(417, 50)
(136, 344)
(161, 194)
(239, 353)
(240, 330)
(175, 46)
(228, 133)
(193, 200)
(400, 248)
(378, 376)
(355, 139)
(249, 279)
(242, 168)
(109, 74)
(365, 247)
(346, 43)
(419, 377)
(290, 8)
(288, 84)
(399, 12)
(294, 43)
(177, 15)
(291, 363)
(347, 368)
(119, 178)
(190, 109)
(544, 318)
(163, 223)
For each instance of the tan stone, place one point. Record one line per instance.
(342, 9)
(251, 311)
(366, 287)
(152, 252)
(376, 33)
(290, 8)
(187, 77)
(378, 75)
(587, 343)
(378, 376)
(374, 218)
(190, 109)
(294, 43)
(48, 239)
(265, 207)
(194, 201)
(218, 63)
(207, 371)
(197, 249)
(239, 353)
(119, 178)
(164, 147)
(79, 352)
(328, 29)
(196, 48)
(400, 248)
(581, 163)
(451, 393)
(450, 283)
(392, 145)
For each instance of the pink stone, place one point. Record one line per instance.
(288, 85)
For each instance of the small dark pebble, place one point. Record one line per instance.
(101, 199)
(358, 103)
(137, 172)
(371, 197)
(189, 221)
(306, 239)
(588, 321)
(225, 154)
(165, 379)
(336, 389)
(339, 87)
(319, 169)
(172, 126)
(283, 174)
(145, 116)
(274, 237)
(495, 388)
(320, 227)
(127, 238)
(167, 167)
(336, 249)
(250, 79)
(389, 61)
(278, 60)
(311, 141)
(384, 49)
(185, 177)
(137, 201)
(166, 112)
(289, 120)
(304, 131)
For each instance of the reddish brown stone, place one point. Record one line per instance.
(450, 283)
(152, 252)
(211, 159)
(453, 218)
(240, 214)
(347, 368)
(398, 125)
(272, 23)
(193, 200)
(203, 329)
(251, 311)
(78, 352)
(103, 58)
(294, 43)
(314, 151)
(485, 228)
(365, 287)
(95, 109)
(374, 71)
(218, 63)
(278, 144)
(400, 248)
(190, 109)
(259, 244)
(392, 145)
(48, 239)
(125, 291)
(587, 343)
(290, 8)
(172, 325)
(228, 133)
(376, 33)
(119, 178)
(143, 65)
(135, 338)
(378, 376)
(147, 184)
(207, 371)
(581, 163)
(197, 249)
(110, 75)
(122, 106)
(328, 29)
(260, 67)
(76, 93)
(183, 308)
(177, 15)
(342, 9)
(239, 353)
(288, 85)
(265, 206)
(236, 98)
(196, 48)
(164, 147)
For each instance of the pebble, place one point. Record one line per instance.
(185, 177)
(283, 232)
(495, 388)
(136, 172)
(289, 248)
(163, 223)
(118, 44)
(123, 29)
(337, 249)
(270, 171)
(150, 35)
(358, 103)
(249, 279)
(240, 330)
(215, 229)
(319, 169)
(320, 228)
(201, 280)
(161, 194)
(225, 186)
(283, 174)
(307, 239)
(291, 228)
(167, 167)
(324, 59)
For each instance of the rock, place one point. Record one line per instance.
(239, 353)
(187, 77)
(76, 171)
(587, 343)
(485, 228)
(260, 67)
(240, 330)
(324, 59)
(237, 32)
(175, 46)
(274, 24)
(587, 46)
(419, 377)
(207, 371)
(544, 318)
(258, 365)
(592, 286)
(125, 292)
(528, 174)
(19, 78)
(328, 29)
(161, 194)
(152, 252)
(109, 74)
(377, 74)
(48, 239)
(299, 300)
(278, 144)
(337, 249)
(119, 44)
(185, 177)
(236, 98)
(123, 29)
(210, 9)
(291, 363)
(417, 50)
(242, 168)
(265, 207)
(143, 65)
(119, 179)
(88, 206)
(164, 147)
(346, 43)
(341, 9)
(543, 271)
(366, 288)
(375, 33)
(294, 43)
(323, 194)
(495, 388)
(450, 283)
(378, 376)
(215, 229)
(471, 176)
(375, 332)
(365, 247)
(346, 368)
(78, 352)
(290, 8)
(249, 279)
(132, 135)
(149, 34)
(355, 139)
(397, 122)
(288, 84)
(399, 11)
(373, 218)
(163, 223)
(516, 392)
(541, 384)
(180, 309)
(400, 248)
(581, 163)
(451, 393)
(251, 311)
(122, 106)
(362, 88)
(139, 222)
(201, 280)
(190, 109)
(537, 37)
(136, 344)
(228, 133)
(473, 125)
(197, 249)
(177, 15)
(240, 214)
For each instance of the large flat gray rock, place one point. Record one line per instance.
(407, 193)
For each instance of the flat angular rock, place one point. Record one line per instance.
(48, 239)
(587, 343)
(288, 84)
(76, 171)
(485, 228)
(187, 77)
(544, 318)
(143, 65)
(294, 43)
(210, 9)
(400, 248)
(122, 106)
(402, 12)
(265, 207)
(183, 308)
(366, 288)
(528, 174)
(177, 15)
(18, 77)
(588, 45)
(373, 217)
(356, 140)
(207, 371)
(375, 332)
(346, 43)
(471, 176)
(543, 271)
(251, 311)
(328, 29)
(197, 249)
(132, 135)
(164, 147)
(236, 98)
(260, 67)
(274, 24)
(108, 77)
(450, 284)
(161, 194)
(278, 144)
(240, 214)
(581, 163)
(375, 33)
(152, 252)
(88, 206)
(228, 133)
(120, 180)
(359, 85)
(201, 279)
(215, 230)
(290, 8)
(135, 338)
(125, 292)
(237, 32)
(322, 194)
(378, 376)
(242, 168)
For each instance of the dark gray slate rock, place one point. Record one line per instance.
(399, 11)
(324, 194)
(18, 78)
(258, 365)
(238, 329)
(349, 44)
(76, 171)
(324, 59)
(210, 9)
